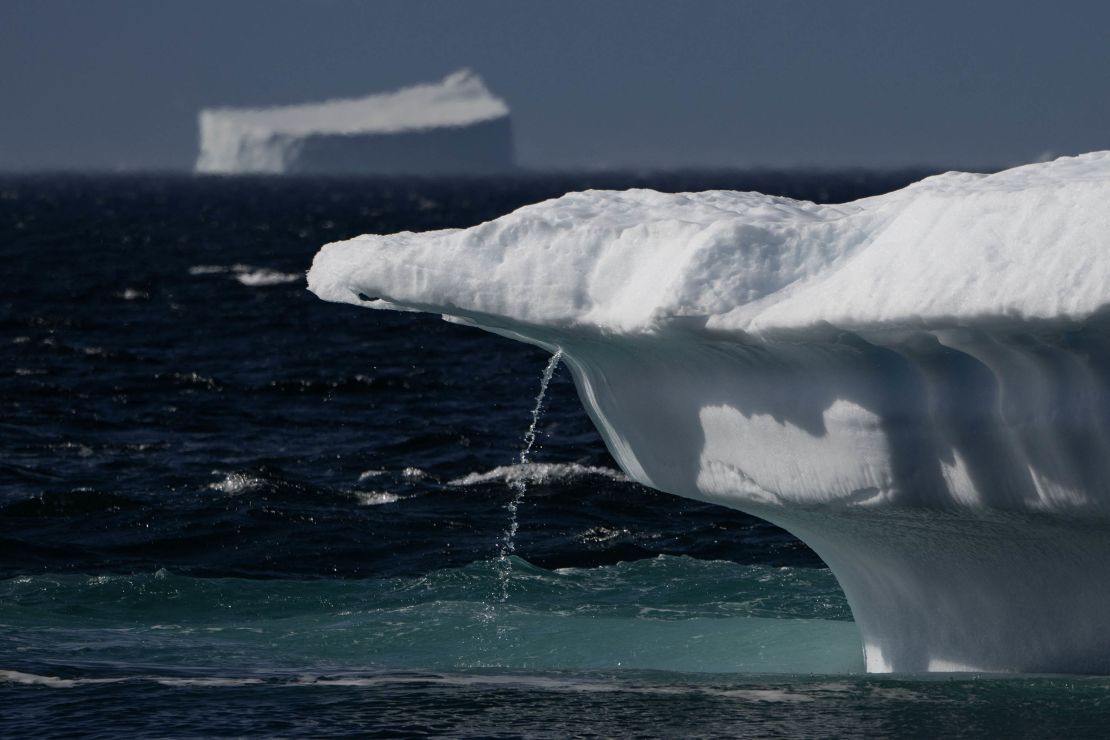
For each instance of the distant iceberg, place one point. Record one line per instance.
(455, 126)
(916, 384)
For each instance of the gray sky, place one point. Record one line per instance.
(114, 84)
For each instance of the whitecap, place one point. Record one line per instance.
(250, 275)
(236, 483)
(54, 682)
(539, 473)
(207, 269)
(133, 294)
(375, 498)
(602, 534)
(263, 276)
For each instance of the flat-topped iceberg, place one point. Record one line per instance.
(916, 384)
(452, 126)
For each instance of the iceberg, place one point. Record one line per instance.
(915, 384)
(455, 126)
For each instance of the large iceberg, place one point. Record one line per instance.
(451, 127)
(916, 384)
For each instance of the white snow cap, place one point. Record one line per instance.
(1031, 242)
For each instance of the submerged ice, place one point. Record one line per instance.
(916, 384)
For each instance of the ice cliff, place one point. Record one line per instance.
(915, 384)
(453, 126)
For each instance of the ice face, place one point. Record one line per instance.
(915, 384)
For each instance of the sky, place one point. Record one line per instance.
(116, 85)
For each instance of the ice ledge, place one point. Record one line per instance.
(1028, 243)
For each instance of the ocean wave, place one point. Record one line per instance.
(133, 294)
(587, 684)
(574, 684)
(248, 275)
(208, 269)
(597, 535)
(234, 483)
(57, 682)
(539, 473)
(375, 498)
(54, 682)
(263, 276)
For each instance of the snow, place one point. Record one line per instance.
(267, 139)
(916, 384)
(1028, 242)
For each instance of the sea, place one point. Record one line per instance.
(229, 509)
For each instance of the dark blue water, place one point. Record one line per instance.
(228, 508)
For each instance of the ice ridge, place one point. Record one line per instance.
(1028, 242)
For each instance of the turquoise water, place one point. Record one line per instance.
(664, 646)
(666, 613)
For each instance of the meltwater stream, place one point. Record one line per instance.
(519, 485)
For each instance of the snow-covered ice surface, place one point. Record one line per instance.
(273, 140)
(915, 384)
(1024, 243)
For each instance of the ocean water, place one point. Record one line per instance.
(230, 509)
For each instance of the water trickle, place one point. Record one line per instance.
(519, 485)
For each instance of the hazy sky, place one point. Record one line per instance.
(112, 84)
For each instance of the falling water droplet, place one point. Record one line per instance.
(519, 485)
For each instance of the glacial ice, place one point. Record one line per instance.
(916, 384)
(455, 125)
